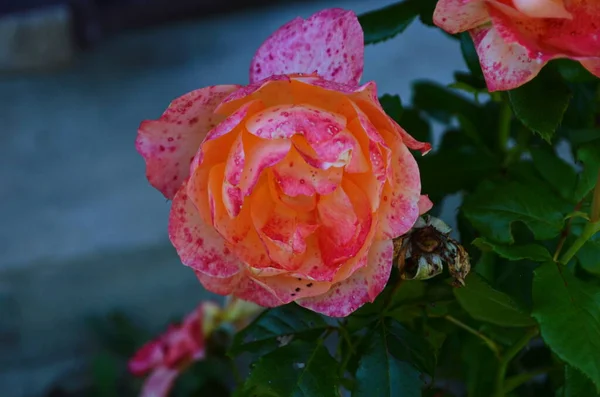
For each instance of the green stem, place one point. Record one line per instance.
(507, 358)
(490, 343)
(514, 382)
(504, 126)
(588, 231)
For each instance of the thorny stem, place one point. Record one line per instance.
(507, 358)
(490, 343)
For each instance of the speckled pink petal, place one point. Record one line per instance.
(272, 91)
(399, 207)
(168, 144)
(363, 286)
(455, 16)
(575, 37)
(284, 121)
(261, 154)
(593, 65)
(343, 150)
(330, 43)
(288, 289)
(505, 66)
(250, 290)
(198, 244)
(295, 177)
(346, 220)
(382, 122)
(159, 383)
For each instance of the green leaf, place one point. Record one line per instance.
(392, 106)
(577, 384)
(589, 155)
(442, 103)
(484, 303)
(450, 169)
(298, 369)
(415, 124)
(480, 366)
(470, 55)
(541, 103)
(560, 175)
(380, 374)
(275, 326)
(573, 71)
(580, 136)
(568, 311)
(411, 347)
(385, 23)
(589, 255)
(494, 207)
(534, 252)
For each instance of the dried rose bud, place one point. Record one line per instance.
(420, 253)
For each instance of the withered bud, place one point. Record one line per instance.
(421, 252)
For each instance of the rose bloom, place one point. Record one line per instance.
(167, 356)
(515, 38)
(293, 187)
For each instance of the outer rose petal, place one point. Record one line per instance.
(169, 143)
(455, 16)
(505, 66)
(159, 383)
(425, 204)
(147, 357)
(593, 65)
(330, 43)
(399, 208)
(363, 286)
(198, 244)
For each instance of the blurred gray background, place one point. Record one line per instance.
(82, 232)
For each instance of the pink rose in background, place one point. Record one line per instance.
(515, 38)
(293, 187)
(166, 357)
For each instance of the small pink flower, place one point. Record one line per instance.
(168, 355)
(516, 38)
(293, 187)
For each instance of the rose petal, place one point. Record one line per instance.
(593, 65)
(399, 208)
(285, 121)
(168, 144)
(425, 204)
(159, 383)
(542, 8)
(199, 246)
(455, 16)
(272, 91)
(505, 66)
(346, 220)
(295, 177)
(260, 154)
(574, 37)
(147, 357)
(330, 43)
(363, 286)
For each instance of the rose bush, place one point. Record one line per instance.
(516, 38)
(293, 187)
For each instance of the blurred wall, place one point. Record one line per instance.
(82, 231)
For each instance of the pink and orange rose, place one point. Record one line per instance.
(293, 187)
(516, 38)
